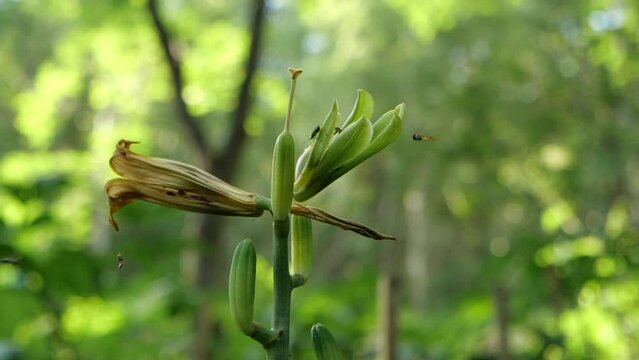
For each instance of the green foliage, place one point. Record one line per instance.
(529, 186)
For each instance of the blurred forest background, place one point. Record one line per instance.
(518, 227)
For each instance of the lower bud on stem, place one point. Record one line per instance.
(242, 286)
(301, 246)
(324, 343)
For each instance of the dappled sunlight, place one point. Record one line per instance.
(556, 157)
(34, 329)
(617, 219)
(562, 251)
(216, 82)
(8, 276)
(591, 326)
(517, 226)
(92, 317)
(556, 216)
(38, 110)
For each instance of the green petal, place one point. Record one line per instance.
(324, 136)
(321, 142)
(363, 107)
(346, 145)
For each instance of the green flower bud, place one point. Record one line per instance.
(242, 286)
(324, 343)
(301, 246)
(358, 140)
(283, 172)
(283, 176)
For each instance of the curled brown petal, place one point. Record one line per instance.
(346, 224)
(122, 191)
(174, 174)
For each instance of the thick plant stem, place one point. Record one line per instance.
(282, 287)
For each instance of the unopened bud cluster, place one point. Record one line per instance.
(334, 153)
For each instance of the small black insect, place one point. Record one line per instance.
(420, 137)
(337, 130)
(314, 133)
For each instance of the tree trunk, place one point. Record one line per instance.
(501, 310)
(387, 297)
(210, 273)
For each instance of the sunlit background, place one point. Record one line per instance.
(518, 227)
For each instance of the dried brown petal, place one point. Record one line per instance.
(346, 224)
(174, 184)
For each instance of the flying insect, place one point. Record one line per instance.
(120, 259)
(421, 137)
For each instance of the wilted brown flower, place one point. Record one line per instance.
(182, 186)
(174, 184)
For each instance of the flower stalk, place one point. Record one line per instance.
(282, 287)
(283, 176)
(331, 154)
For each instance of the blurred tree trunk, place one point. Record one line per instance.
(391, 254)
(387, 298)
(417, 243)
(501, 311)
(209, 271)
(556, 298)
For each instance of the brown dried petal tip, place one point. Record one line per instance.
(346, 224)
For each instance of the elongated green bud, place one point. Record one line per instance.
(283, 176)
(301, 246)
(242, 286)
(324, 343)
(283, 171)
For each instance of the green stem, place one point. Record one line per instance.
(282, 287)
(294, 74)
(263, 203)
(263, 335)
